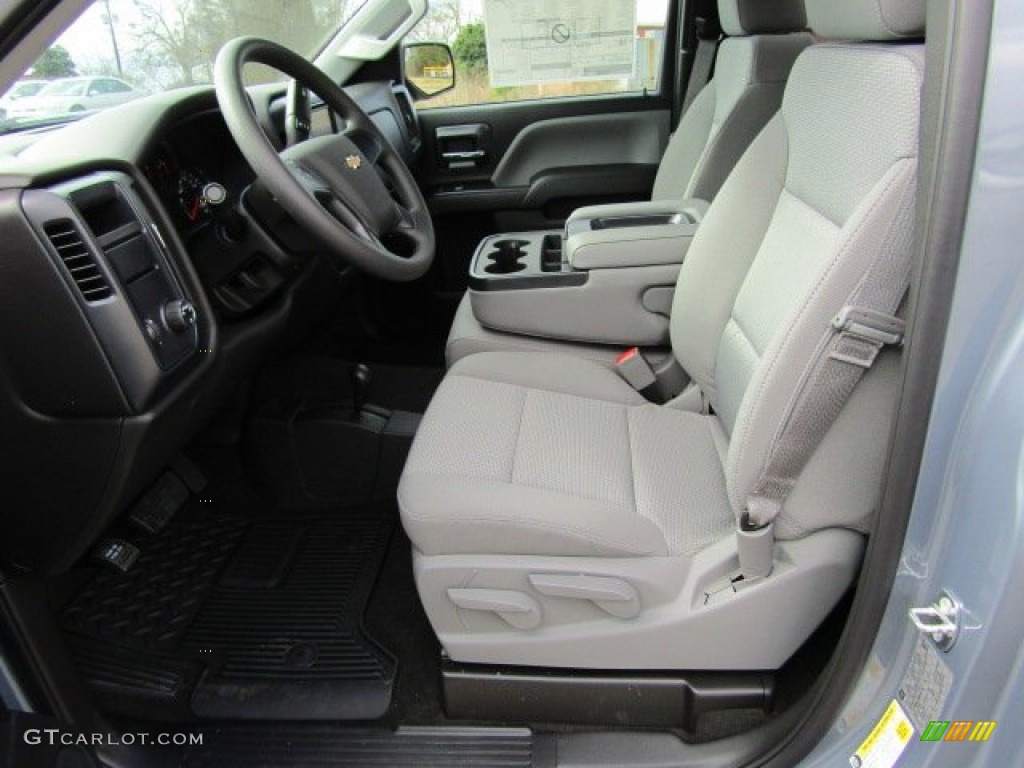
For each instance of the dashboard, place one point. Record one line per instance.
(186, 159)
(145, 275)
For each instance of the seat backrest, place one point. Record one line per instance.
(826, 187)
(751, 69)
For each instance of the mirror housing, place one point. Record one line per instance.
(428, 69)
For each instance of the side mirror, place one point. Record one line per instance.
(429, 69)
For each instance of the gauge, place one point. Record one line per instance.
(190, 193)
(161, 167)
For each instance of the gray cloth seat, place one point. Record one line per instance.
(625, 476)
(558, 519)
(751, 69)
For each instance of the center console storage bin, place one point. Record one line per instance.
(608, 278)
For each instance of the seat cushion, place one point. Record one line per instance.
(526, 453)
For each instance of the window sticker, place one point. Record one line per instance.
(887, 740)
(540, 41)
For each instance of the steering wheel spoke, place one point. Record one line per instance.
(368, 144)
(312, 182)
(351, 189)
(324, 194)
(352, 220)
(406, 218)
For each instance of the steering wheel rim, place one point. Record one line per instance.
(333, 185)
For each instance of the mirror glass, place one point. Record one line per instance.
(429, 68)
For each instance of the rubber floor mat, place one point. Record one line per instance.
(227, 618)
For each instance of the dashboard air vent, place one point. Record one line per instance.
(80, 263)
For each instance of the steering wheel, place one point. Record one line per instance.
(351, 189)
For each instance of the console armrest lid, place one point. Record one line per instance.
(691, 208)
(622, 247)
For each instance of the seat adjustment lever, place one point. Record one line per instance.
(610, 594)
(516, 609)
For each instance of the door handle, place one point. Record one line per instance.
(462, 146)
(473, 156)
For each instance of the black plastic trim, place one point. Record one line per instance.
(39, 648)
(529, 282)
(118, 322)
(588, 697)
(581, 181)
(233, 746)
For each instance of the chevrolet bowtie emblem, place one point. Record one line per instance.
(354, 162)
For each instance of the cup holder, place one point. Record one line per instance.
(506, 257)
(503, 267)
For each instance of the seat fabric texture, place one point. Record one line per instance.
(622, 476)
(553, 457)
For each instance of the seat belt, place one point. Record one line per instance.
(703, 63)
(848, 349)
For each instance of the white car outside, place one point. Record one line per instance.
(20, 90)
(71, 95)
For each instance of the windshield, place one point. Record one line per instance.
(160, 45)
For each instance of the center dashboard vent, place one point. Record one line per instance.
(79, 260)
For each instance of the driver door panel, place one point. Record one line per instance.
(527, 165)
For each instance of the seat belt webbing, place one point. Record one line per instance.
(846, 352)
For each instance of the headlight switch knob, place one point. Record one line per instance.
(179, 315)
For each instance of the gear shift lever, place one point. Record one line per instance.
(360, 376)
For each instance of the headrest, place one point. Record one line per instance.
(759, 17)
(866, 19)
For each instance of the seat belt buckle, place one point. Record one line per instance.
(632, 366)
(870, 325)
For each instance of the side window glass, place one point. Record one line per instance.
(513, 50)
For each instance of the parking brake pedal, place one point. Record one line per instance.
(157, 506)
(117, 553)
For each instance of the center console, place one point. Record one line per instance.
(608, 277)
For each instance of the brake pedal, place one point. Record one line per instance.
(157, 506)
(119, 554)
